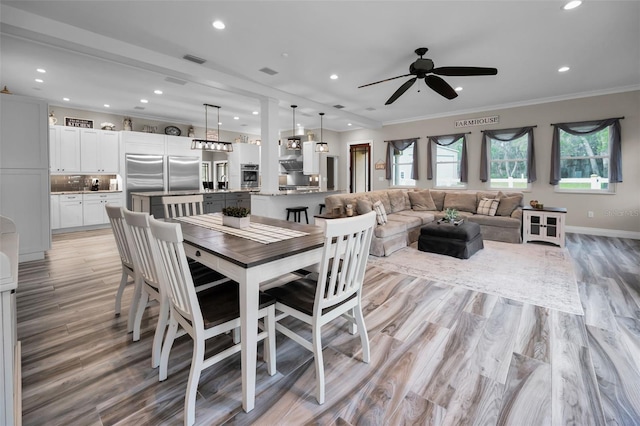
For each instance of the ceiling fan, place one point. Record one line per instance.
(423, 68)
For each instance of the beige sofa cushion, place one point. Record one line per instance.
(496, 221)
(381, 196)
(438, 198)
(410, 221)
(461, 201)
(425, 216)
(421, 201)
(399, 200)
(508, 205)
(363, 206)
(390, 228)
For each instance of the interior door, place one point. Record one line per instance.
(360, 168)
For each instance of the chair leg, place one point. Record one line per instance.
(192, 385)
(236, 335)
(288, 213)
(353, 328)
(161, 327)
(142, 304)
(172, 330)
(364, 337)
(270, 341)
(306, 216)
(123, 284)
(317, 355)
(133, 308)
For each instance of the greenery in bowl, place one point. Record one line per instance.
(450, 215)
(236, 211)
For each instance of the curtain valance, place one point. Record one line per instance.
(508, 135)
(446, 140)
(586, 128)
(401, 145)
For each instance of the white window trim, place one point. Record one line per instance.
(394, 164)
(434, 154)
(500, 188)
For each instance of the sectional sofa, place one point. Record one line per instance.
(407, 210)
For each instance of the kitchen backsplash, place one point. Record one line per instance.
(64, 183)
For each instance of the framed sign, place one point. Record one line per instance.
(478, 121)
(78, 122)
(380, 165)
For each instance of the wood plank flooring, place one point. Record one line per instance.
(440, 355)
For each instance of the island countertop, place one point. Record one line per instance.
(300, 192)
(190, 192)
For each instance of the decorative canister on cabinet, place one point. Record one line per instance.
(127, 124)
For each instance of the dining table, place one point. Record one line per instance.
(251, 257)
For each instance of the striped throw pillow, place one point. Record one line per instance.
(488, 206)
(381, 213)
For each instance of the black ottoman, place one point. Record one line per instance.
(460, 241)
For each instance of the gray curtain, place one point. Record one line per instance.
(587, 128)
(401, 145)
(446, 140)
(507, 135)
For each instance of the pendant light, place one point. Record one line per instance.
(322, 146)
(293, 142)
(207, 145)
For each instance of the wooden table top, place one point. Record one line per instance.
(247, 253)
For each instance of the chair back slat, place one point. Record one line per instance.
(139, 235)
(116, 218)
(174, 270)
(344, 259)
(182, 205)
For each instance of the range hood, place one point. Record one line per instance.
(291, 163)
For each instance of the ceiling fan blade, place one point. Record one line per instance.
(440, 86)
(401, 90)
(464, 71)
(382, 81)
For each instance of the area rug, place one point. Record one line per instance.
(530, 273)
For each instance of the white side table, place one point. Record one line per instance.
(546, 224)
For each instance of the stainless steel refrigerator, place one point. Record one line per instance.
(144, 173)
(184, 173)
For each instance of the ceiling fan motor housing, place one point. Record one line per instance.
(421, 66)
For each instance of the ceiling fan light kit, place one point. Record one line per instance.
(423, 68)
(206, 144)
(293, 142)
(322, 146)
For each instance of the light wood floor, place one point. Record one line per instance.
(440, 355)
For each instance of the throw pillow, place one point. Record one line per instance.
(488, 206)
(396, 199)
(438, 199)
(508, 205)
(363, 206)
(421, 200)
(461, 201)
(381, 213)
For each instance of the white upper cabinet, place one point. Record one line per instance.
(23, 140)
(68, 150)
(310, 159)
(99, 151)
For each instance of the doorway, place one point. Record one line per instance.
(221, 174)
(360, 167)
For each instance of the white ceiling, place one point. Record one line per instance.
(98, 52)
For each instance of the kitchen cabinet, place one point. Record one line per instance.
(99, 151)
(310, 159)
(544, 224)
(213, 203)
(238, 200)
(243, 153)
(66, 150)
(93, 211)
(71, 214)
(55, 211)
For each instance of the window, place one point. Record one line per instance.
(508, 163)
(448, 162)
(584, 161)
(402, 168)
(507, 158)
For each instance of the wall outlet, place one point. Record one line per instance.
(589, 213)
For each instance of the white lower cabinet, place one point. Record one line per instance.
(94, 212)
(77, 210)
(55, 211)
(70, 211)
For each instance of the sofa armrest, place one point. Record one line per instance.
(517, 214)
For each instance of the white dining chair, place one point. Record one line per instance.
(182, 205)
(337, 291)
(202, 315)
(147, 282)
(116, 218)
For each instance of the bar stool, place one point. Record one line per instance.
(322, 206)
(296, 213)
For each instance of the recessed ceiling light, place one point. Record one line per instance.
(255, 113)
(158, 92)
(236, 118)
(458, 89)
(333, 76)
(219, 124)
(144, 101)
(39, 80)
(218, 25)
(348, 124)
(41, 70)
(285, 55)
(572, 4)
(66, 99)
(107, 105)
(563, 69)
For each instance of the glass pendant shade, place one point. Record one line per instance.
(293, 142)
(322, 146)
(206, 144)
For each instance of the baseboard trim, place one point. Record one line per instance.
(603, 232)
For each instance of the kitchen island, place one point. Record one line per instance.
(275, 204)
(214, 200)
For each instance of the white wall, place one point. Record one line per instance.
(617, 212)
